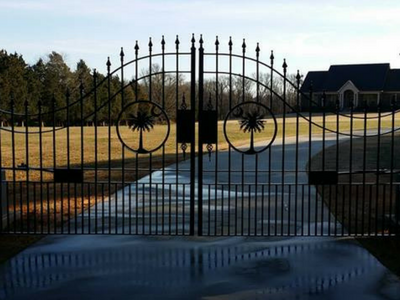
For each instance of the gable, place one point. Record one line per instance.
(349, 85)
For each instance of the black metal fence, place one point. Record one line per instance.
(211, 146)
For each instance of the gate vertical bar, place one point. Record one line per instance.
(14, 178)
(193, 141)
(200, 142)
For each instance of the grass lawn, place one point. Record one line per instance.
(386, 250)
(12, 245)
(365, 208)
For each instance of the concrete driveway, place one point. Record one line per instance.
(134, 267)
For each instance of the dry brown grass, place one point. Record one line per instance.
(361, 208)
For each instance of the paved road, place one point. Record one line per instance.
(129, 267)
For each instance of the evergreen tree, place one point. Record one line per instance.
(13, 81)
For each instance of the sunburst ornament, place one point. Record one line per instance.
(254, 119)
(141, 117)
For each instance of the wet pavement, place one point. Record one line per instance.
(127, 267)
(134, 267)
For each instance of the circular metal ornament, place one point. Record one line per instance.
(251, 118)
(141, 117)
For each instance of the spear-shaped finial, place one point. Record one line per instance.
(284, 66)
(136, 48)
(193, 40)
(122, 54)
(258, 50)
(108, 64)
(150, 44)
(272, 57)
(177, 43)
(230, 44)
(244, 46)
(298, 78)
(201, 41)
(162, 43)
(216, 43)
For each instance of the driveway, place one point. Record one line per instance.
(145, 267)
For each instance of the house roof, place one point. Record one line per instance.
(393, 80)
(366, 77)
(317, 79)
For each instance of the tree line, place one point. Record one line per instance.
(50, 83)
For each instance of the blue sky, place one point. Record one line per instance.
(311, 35)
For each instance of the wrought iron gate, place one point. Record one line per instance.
(206, 143)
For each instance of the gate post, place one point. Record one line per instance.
(193, 138)
(200, 141)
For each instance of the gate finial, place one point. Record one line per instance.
(122, 54)
(162, 43)
(258, 50)
(136, 48)
(244, 46)
(298, 77)
(193, 40)
(230, 44)
(272, 57)
(284, 66)
(177, 43)
(216, 43)
(201, 41)
(150, 44)
(108, 64)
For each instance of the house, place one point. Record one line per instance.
(360, 84)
